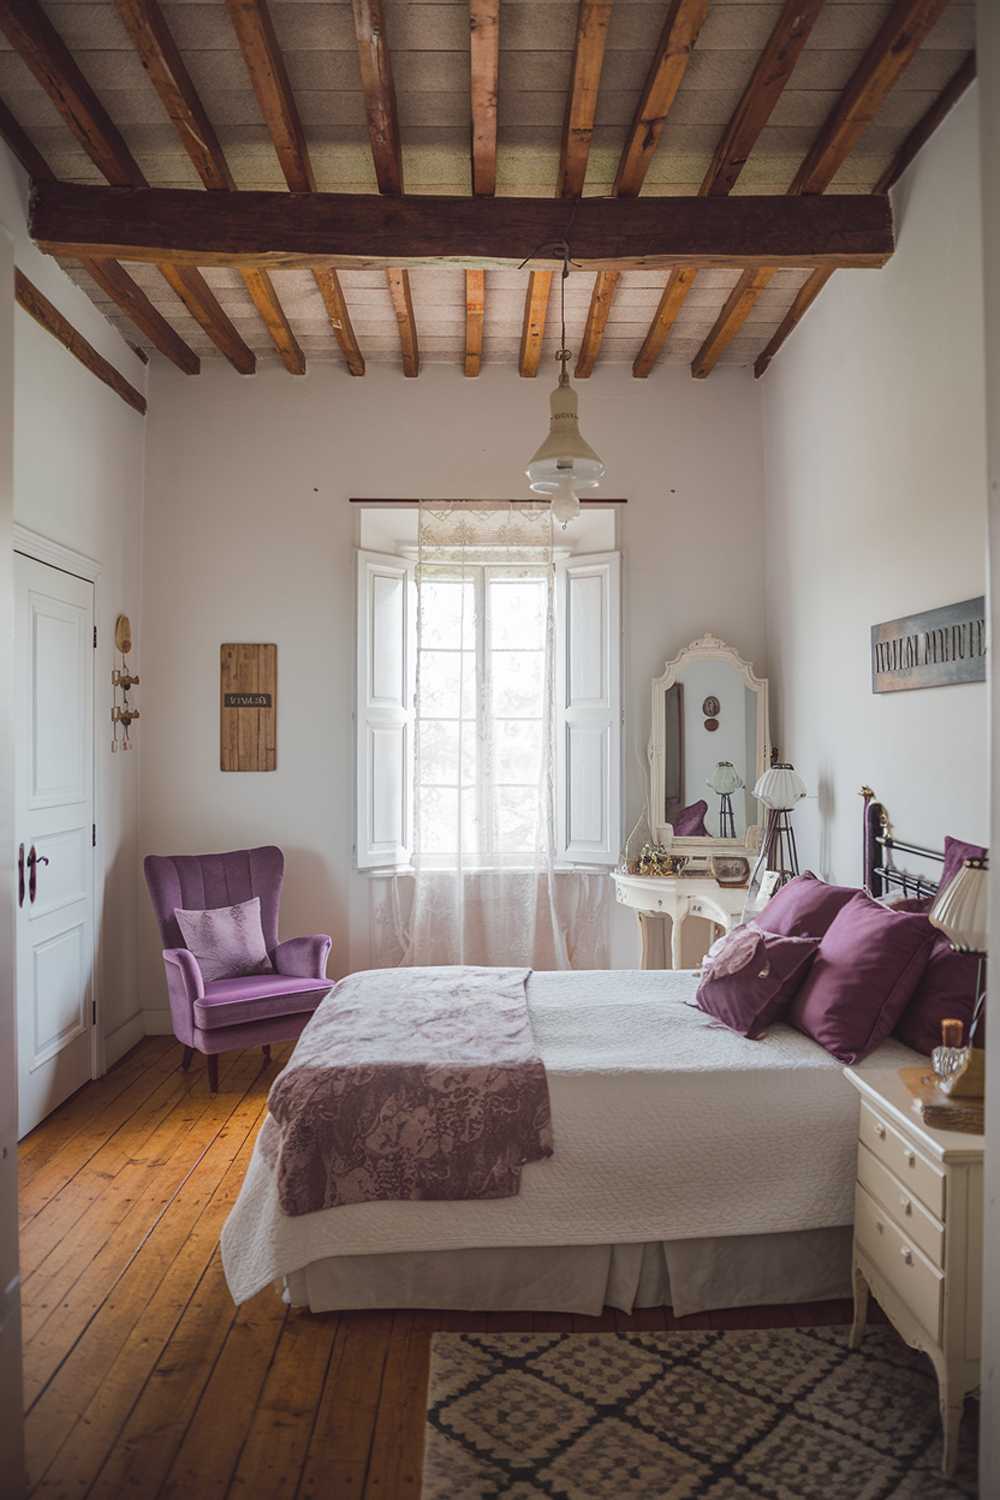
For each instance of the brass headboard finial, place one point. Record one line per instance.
(867, 793)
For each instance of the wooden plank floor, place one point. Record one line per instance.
(141, 1377)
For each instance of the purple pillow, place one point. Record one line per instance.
(227, 941)
(749, 976)
(690, 821)
(869, 963)
(946, 989)
(804, 907)
(955, 855)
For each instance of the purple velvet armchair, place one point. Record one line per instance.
(256, 1010)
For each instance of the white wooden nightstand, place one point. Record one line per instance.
(918, 1237)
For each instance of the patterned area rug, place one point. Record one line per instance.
(784, 1413)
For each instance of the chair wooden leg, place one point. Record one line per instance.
(213, 1072)
(266, 1049)
(186, 1059)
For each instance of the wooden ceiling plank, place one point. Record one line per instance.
(680, 32)
(146, 25)
(270, 230)
(666, 72)
(679, 283)
(536, 307)
(38, 306)
(402, 304)
(475, 314)
(890, 53)
(917, 138)
(201, 302)
(119, 286)
(35, 39)
(265, 64)
(770, 75)
(484, 58)
(592, 20)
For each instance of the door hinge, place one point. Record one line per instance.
(93, 1012)
(95, 637)
(93, 835)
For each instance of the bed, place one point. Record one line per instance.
(691, 1167)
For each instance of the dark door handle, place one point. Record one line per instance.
(20, 875)
(34, 860)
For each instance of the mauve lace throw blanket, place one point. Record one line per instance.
(410, 1084)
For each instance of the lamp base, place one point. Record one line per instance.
(778, 851)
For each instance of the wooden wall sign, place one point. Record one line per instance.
(248, 711)
(933, 649)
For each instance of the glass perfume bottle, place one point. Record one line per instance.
(951, 1058)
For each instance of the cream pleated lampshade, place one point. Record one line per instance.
(780, 788)
(961, 909)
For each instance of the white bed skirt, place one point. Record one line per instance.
(696, 1275)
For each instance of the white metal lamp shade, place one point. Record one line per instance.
(725, 779)
(565, 463)
(960, 910)
(780, 788)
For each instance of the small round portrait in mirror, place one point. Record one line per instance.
(711, 725)
(710, 708)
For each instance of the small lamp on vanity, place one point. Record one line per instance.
(724, 781)
(780, 788)
(961, 912)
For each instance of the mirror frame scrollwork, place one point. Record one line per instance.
(706, 648)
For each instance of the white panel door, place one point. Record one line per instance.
(53, 832)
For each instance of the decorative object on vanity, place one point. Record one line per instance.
(729, 869)
(122, 683)
(248, 712)
(748, 977)
(780, 789)
(961, 912)
(724, 781)
(918, 1238)
(686, 1413)
(654, 859)
(937, 648)
(213, 1016)
(565, 463)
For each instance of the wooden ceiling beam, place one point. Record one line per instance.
(536, 308)
(484, 73)
(265, 64)
(38, 306)
(890, 53)
(770, 75)
(35, 39)
(917, 138)
(475, 314)
(592, 20)
(402, 305)
(146, 25)
(666, 72)
(280, 230)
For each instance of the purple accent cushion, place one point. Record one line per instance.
(955, 854)
(947, 988)
(869, 963)
(690, 821)
(749, 976)
(256, 997)
(805, 907)
(227, 941)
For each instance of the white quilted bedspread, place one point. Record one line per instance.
(667, 1126)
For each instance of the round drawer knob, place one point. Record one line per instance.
(907, 1255)
(880, 1132)
(906, 1205)
(911, 1160)
(880, 1226)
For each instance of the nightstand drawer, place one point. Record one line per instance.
(907, 1270)
(902, 1206)
(918, 1175)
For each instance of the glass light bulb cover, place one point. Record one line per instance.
(565, 500)
(780, 788)
(960, 910)
(564, 450)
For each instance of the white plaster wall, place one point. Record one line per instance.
(876, 507)
(78, 479)
(248, 535)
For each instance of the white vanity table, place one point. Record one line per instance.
(709, 709)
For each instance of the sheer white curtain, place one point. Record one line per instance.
(485, 888)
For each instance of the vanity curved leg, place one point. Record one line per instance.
(676, 931)
(860, 1309)
(646, 935)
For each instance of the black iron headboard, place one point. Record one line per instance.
(880, 843)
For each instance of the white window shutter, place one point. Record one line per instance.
(385, 711)
(588, 709)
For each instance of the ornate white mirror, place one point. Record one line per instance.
(710, 741)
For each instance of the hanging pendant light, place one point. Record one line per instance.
(565, 464)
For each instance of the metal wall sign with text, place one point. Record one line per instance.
(937, 648)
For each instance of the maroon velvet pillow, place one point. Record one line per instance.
(749, 976)
(869, 963)
(946, 989)
(955, 854)
(689, 823)
(804, 907)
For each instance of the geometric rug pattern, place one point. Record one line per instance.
(788, 1413)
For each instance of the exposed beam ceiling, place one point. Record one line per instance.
(51, 319)
(475, 313)
(536, 306)
(889, 54)
(484, 83)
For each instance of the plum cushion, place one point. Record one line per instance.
(690, 821)
(749, 976)
(805, 907)
(227, 941)
(956, 852)
(947, 990)
(869, 964)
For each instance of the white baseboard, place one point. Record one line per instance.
(158, 1022)
(123, 1038)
